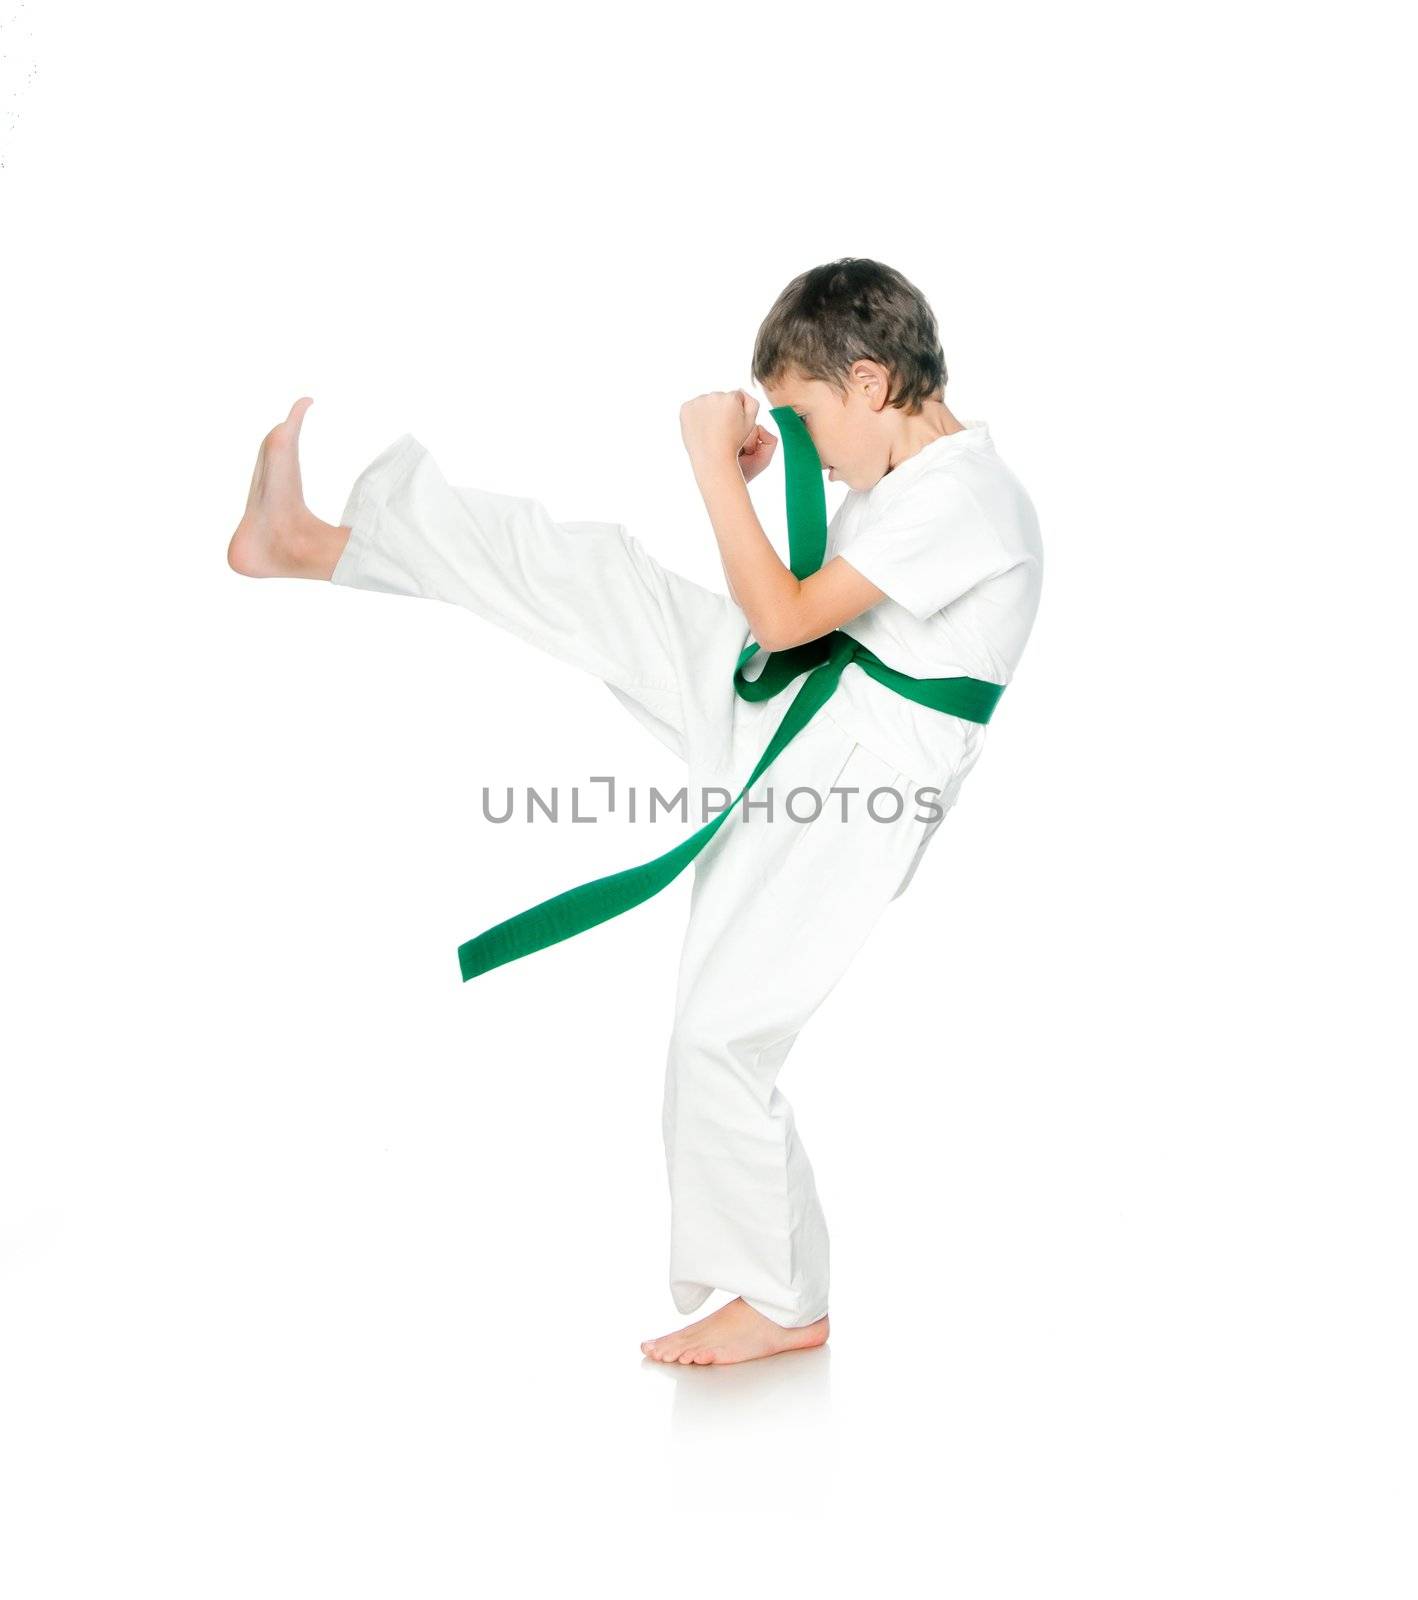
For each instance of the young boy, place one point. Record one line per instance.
(933, 563)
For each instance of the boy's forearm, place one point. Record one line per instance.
(764, 589)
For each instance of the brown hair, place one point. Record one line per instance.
(849, 310)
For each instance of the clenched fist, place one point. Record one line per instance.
(721, 424)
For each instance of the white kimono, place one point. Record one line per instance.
(778, 908)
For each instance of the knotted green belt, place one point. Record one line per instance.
(823, 660)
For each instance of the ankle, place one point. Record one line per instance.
(314, 547)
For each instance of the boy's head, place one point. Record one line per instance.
(852, 346)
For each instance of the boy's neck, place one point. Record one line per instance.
(933, 421)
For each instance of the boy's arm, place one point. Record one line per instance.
(782, 610)
(730, 582)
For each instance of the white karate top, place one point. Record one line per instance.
(952, 539)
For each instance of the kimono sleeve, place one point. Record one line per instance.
(929, 547)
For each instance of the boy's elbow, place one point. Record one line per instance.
(783, 625)
(777, 635)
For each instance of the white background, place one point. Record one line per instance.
(325, 1275)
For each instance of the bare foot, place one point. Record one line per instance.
(735, 1332)
(279, 536)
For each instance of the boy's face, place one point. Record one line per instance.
(845, 428)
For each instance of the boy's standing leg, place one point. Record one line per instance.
(779, 910)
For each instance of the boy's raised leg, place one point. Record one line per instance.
(279, 536)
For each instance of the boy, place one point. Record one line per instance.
(934, 560)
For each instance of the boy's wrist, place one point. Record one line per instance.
(717, 472)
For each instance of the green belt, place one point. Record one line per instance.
(823, 660)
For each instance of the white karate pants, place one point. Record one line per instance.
(778, 907)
